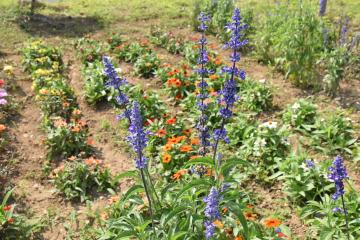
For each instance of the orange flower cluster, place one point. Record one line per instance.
(173, 82)
(178, 175)
(91, 161)
(2, 128)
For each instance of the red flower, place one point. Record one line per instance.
(7, 208)
(171, 121)
(2, 82)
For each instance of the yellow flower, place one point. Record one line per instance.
(8, 69)
(218, 224)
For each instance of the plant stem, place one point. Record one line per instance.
(153, 186)
(346, 217)
(149, 199)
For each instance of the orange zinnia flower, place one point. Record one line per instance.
(250, 216)
(177, 83)
(218, 224)
(66, 105)
(90, 141)
(72, 158)
(214, 76)
(225, 210)
(113, 199)
(185, 148)
(166, 158)
(171, 121)
(195, 141)
(179, 174)
(167, 147)
(10, 220)
(75, 129)
(272, 223)
(187, 131)
(161, 132)
(77, 112)
(2, 127)
(7, 208)
(178, 97)
(180, 138)
(172, 140)
(239, 238)
(43, 91)
(92, 161)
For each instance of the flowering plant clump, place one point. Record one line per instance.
(131, 52)
(77, 177)
(180, 82)
(174, 44)
(301, 114)
(146, 65)
(89, 50)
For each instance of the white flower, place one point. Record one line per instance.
(296, 106)
(118, 70)
(269, 124)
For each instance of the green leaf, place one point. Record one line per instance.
(197, 182)
(178, 235)
(133, 190)
(200, 161)
(237, 211)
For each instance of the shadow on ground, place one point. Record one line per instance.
(40, 25)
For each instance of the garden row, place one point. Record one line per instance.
(264, 147)
(78, 172)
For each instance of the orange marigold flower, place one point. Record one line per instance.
(187, 131)
(250, 216)
(179, 174)
(195, 141)
(2, 127)
(185, 148)
(218, 224)
(166, 158)
(214, 76)
(272, 223)
(171, 121)
(161, 132)
(167, 147)
(7, 208)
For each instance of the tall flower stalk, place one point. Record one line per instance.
(228, 95)
(203, 71)
(322, 7)
(338, 174)
(211, 212)
(114, 81)
(138, 140)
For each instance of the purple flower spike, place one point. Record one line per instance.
(137, 136)
(337, 174)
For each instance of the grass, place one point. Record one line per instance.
(132, 16)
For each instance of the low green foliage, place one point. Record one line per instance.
(333, 134)
(255, 96)
(300, 114)
(78, 179)
(146, 65)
